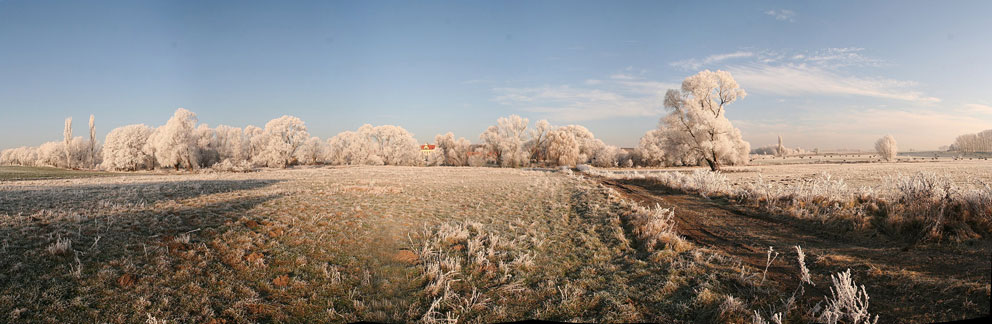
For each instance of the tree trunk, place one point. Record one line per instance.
(714, 165)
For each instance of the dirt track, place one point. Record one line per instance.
(906, 283)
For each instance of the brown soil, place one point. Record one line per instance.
(906, 283)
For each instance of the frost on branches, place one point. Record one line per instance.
(886, 148)
(378, 145)
(281, 139)
(173, 144)
(122, 150)
(696, 129)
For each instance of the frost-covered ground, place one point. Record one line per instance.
(381, 244)
(346, 244)
(879, 175)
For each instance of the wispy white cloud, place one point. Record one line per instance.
(802, 79)
(839, 57)
(622, 76)
(693, 63)
(622, 95)
(782, 14)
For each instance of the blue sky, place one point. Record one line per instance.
(834, 74)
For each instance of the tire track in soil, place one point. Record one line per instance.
(747, 234)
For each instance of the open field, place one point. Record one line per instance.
(31, 173)
(436, 244)
(964, 173)
(868, 157)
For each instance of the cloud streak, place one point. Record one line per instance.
(803, 79)
(692, 64)
(625, 96)
(782, 14)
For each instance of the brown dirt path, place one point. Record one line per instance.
(906, 283)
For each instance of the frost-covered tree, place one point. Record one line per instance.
(766, 150)
(24, 155)
(780, 149)
(231, 144)
(254, 141)
(207, 146)
(886, 147)
(607, 156)
(971, 143)
(175, 144)
(538, 143)
(283, 136)
(587, 142)
(696, 127)
(455, 152)
(311, 152)
(374, 145)
(507, 139)
(353, 148)
(67, 138)
(480, 157)
(122, 149)
(53, 154)
(92, 144)
(395, 145)
(435, 157)
(563, 147)
(651, 148)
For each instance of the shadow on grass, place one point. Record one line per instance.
(91, 198)
(44, 281)
(109, 236)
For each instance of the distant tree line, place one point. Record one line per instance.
(694, 132)
(973, 143)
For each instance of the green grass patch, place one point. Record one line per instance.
(10, 172)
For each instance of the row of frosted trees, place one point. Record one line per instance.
(71, 152)
(972, 143)
(696, 131)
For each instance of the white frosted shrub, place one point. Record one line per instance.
(923, 186)
(607, 156)
(651, 148)
(707, 183)
(655, 227)
(848, 302)
(823, 186)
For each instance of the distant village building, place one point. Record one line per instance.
(426, 150)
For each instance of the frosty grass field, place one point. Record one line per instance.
(333, 244)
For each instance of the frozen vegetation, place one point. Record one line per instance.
(381, 244)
